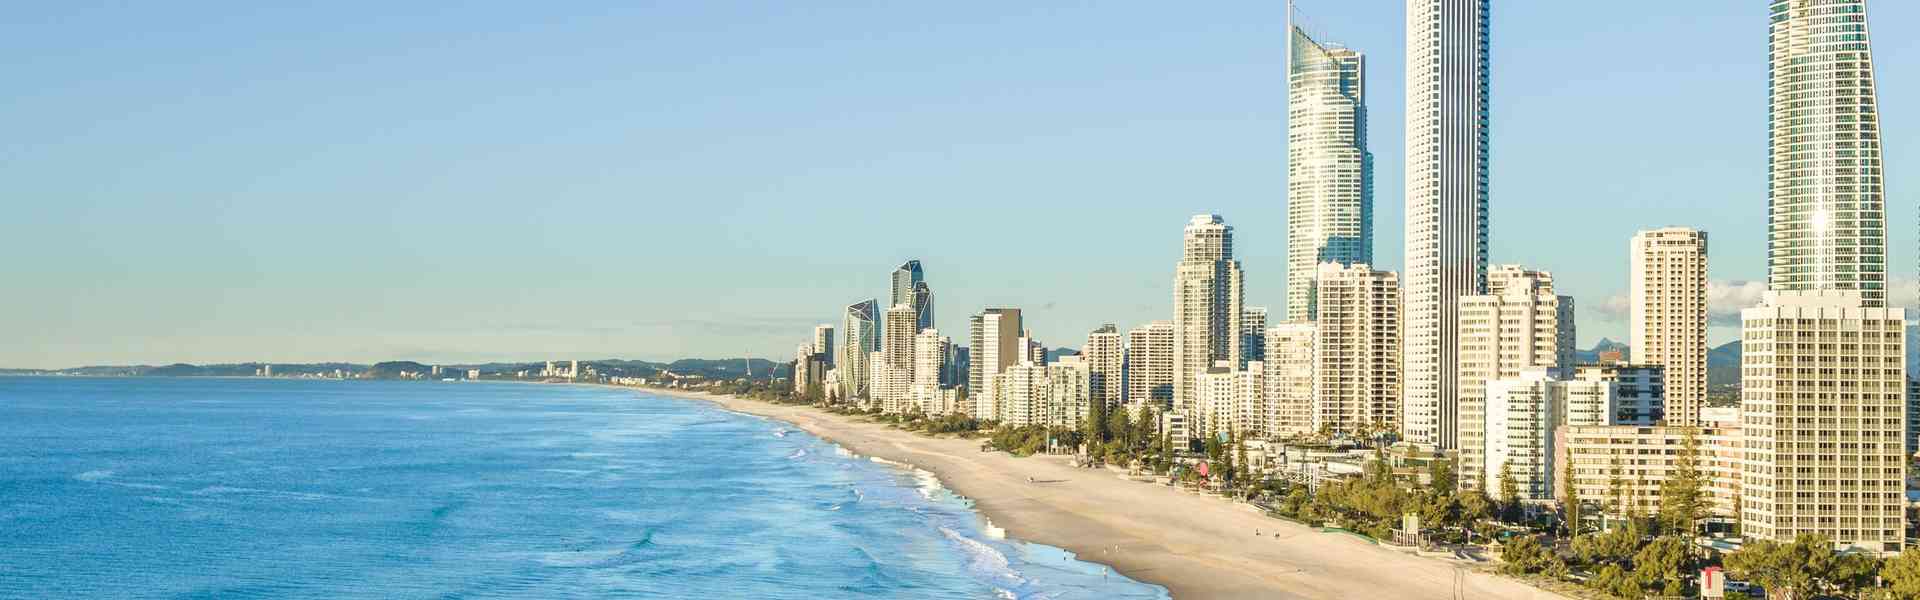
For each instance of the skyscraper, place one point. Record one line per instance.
(1668, 315)
(859, 339)
(1357, 359)
(1150, 365)
(1827, 225)
(1106, 357)
(910, 288)
(1207, 293)
(994, 337)
(1446, 193)
(1329, 169)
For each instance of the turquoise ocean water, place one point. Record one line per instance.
(239, 488)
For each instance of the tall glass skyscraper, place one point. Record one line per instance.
(1329, 170)
(1447, 124)
(1207, 295)
(910, 288)
(861, 339)
(1827, 225)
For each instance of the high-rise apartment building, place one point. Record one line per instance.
(1069, 391)
(1823, 409)
(1214, 413)
(1524, 325)
(1522, 414)
(1667, 293)
(1106, 359)
(1827, 223)
(1357, 377)
(1290, 373)
(1329, 169)
(995, 345)
(1150, 365)
(859, 339)
(1253, 335)
(1207, 294)
(823, 342)
(1446, 192)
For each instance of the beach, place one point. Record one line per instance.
(1198, 547)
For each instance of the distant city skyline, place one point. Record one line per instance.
(390, 183)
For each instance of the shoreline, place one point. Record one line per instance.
(1197, 547)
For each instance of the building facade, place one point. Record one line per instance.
(1357, 375)
(1329, 169)
(1823, 406)
(1825, 201)
(1291, 364)
(1150, 365)
(1638, 391)
(1523, 325)
(1106, 358)
(1668, 315)
(1207, 294)
(994, 346)
(1446, 192)
(860, 337)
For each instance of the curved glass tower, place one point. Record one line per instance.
(1329, 170)
(1827, 225)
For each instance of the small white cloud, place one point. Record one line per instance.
(1725, 299)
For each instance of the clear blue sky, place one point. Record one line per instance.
(367, 181)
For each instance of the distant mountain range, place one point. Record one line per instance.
(731, 368)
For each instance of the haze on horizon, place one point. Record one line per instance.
(231, 182)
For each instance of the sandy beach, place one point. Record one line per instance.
(1198, 547)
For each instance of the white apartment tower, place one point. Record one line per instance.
(1150, 365)
(1329, 169)
(1827, 224)
(1823, 409)
(995, 345)
(1290, 367)
(1357, 378)
(1207, 293)
(1106, 360)
(1500, 334)
(1253, 335)
(1667, 292)
(1446, 193)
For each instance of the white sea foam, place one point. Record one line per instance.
(843, 451)
(798, 454)
(985, 558)
(94, 475)
(992, 531)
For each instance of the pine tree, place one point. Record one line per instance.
(1509, 488)
(1440, 471)
(1571, 503)
(1681, 499)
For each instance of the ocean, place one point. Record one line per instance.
(281, 488)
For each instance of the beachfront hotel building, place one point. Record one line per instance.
(1667, 295)
(930, 389)
(1824, 410)
(1827, 226)
(1106, 363)
(1150, 366)
(1447, 120)
(1357, 357)
(1020, 395)
(1207, 308)
(1520, 323)
(1620, 469)
(1290, 368)
(859, 339)
(1329, 169)
(994, 346)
